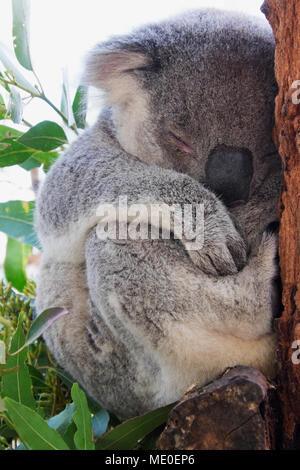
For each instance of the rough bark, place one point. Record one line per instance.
(284, 17)
(241, 410)
(231, 413)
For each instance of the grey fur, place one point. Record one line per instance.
(149, 318)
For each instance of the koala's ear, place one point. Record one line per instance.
(108, 67)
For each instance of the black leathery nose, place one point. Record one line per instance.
(229, 172)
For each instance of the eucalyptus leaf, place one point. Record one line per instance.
(16, 220)
(2, 108)
(21, 13)
(62, 421)
(66, 107)
(127, 435)
(8, 132)
(80, 106)
(15, 263)
(39, 158)
(13, 153)
(37, 379)
(66, 378)
(33, 430)
(41, 323)
(149, 442)
(99, 423)
(45, 136)
(15, 106)
(82, 418)
(2, 406)
(69, 435)
(30, 163)
(18, 385)
(11, 67)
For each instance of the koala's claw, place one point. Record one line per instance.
(224, 251)
(238, 250)
(219, 259)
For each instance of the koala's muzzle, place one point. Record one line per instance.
(229, 173)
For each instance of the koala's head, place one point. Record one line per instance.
(195, 94)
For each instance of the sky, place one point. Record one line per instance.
(61, 32)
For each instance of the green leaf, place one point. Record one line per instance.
(80, 106)
(30, 163)
(15, 263)
(2, 108)
(83, 437)
(11, 67)
(127, 435)
(18, 385)
(62, 421)
(2, 407)
(39, 158)
(45, 136)
(149, 441)
(100, 422)
(15, 106)
(66, 378)
(41, 323)
(37, 379)
(69, 435)
(16, 220)
(21, 13)
(6, 431)
(33, 430)
(8, 132)
(48, 162)
(12, 152)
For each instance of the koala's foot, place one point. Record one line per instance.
(224, 251)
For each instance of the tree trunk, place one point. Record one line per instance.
(235, 412)
(242, 406)
(284, 17)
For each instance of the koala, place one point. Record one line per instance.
(187, 120)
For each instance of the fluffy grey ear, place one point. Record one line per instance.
(107, 67)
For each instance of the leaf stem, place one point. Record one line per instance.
(43, 97)
(14, 83)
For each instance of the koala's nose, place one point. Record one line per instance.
(229, 172)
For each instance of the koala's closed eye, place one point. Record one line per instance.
(180, 143)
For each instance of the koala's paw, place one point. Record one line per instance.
(224, 251)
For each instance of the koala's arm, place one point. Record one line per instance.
(153, 285)
(75, 187)
(68, 213)
(194, 324)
